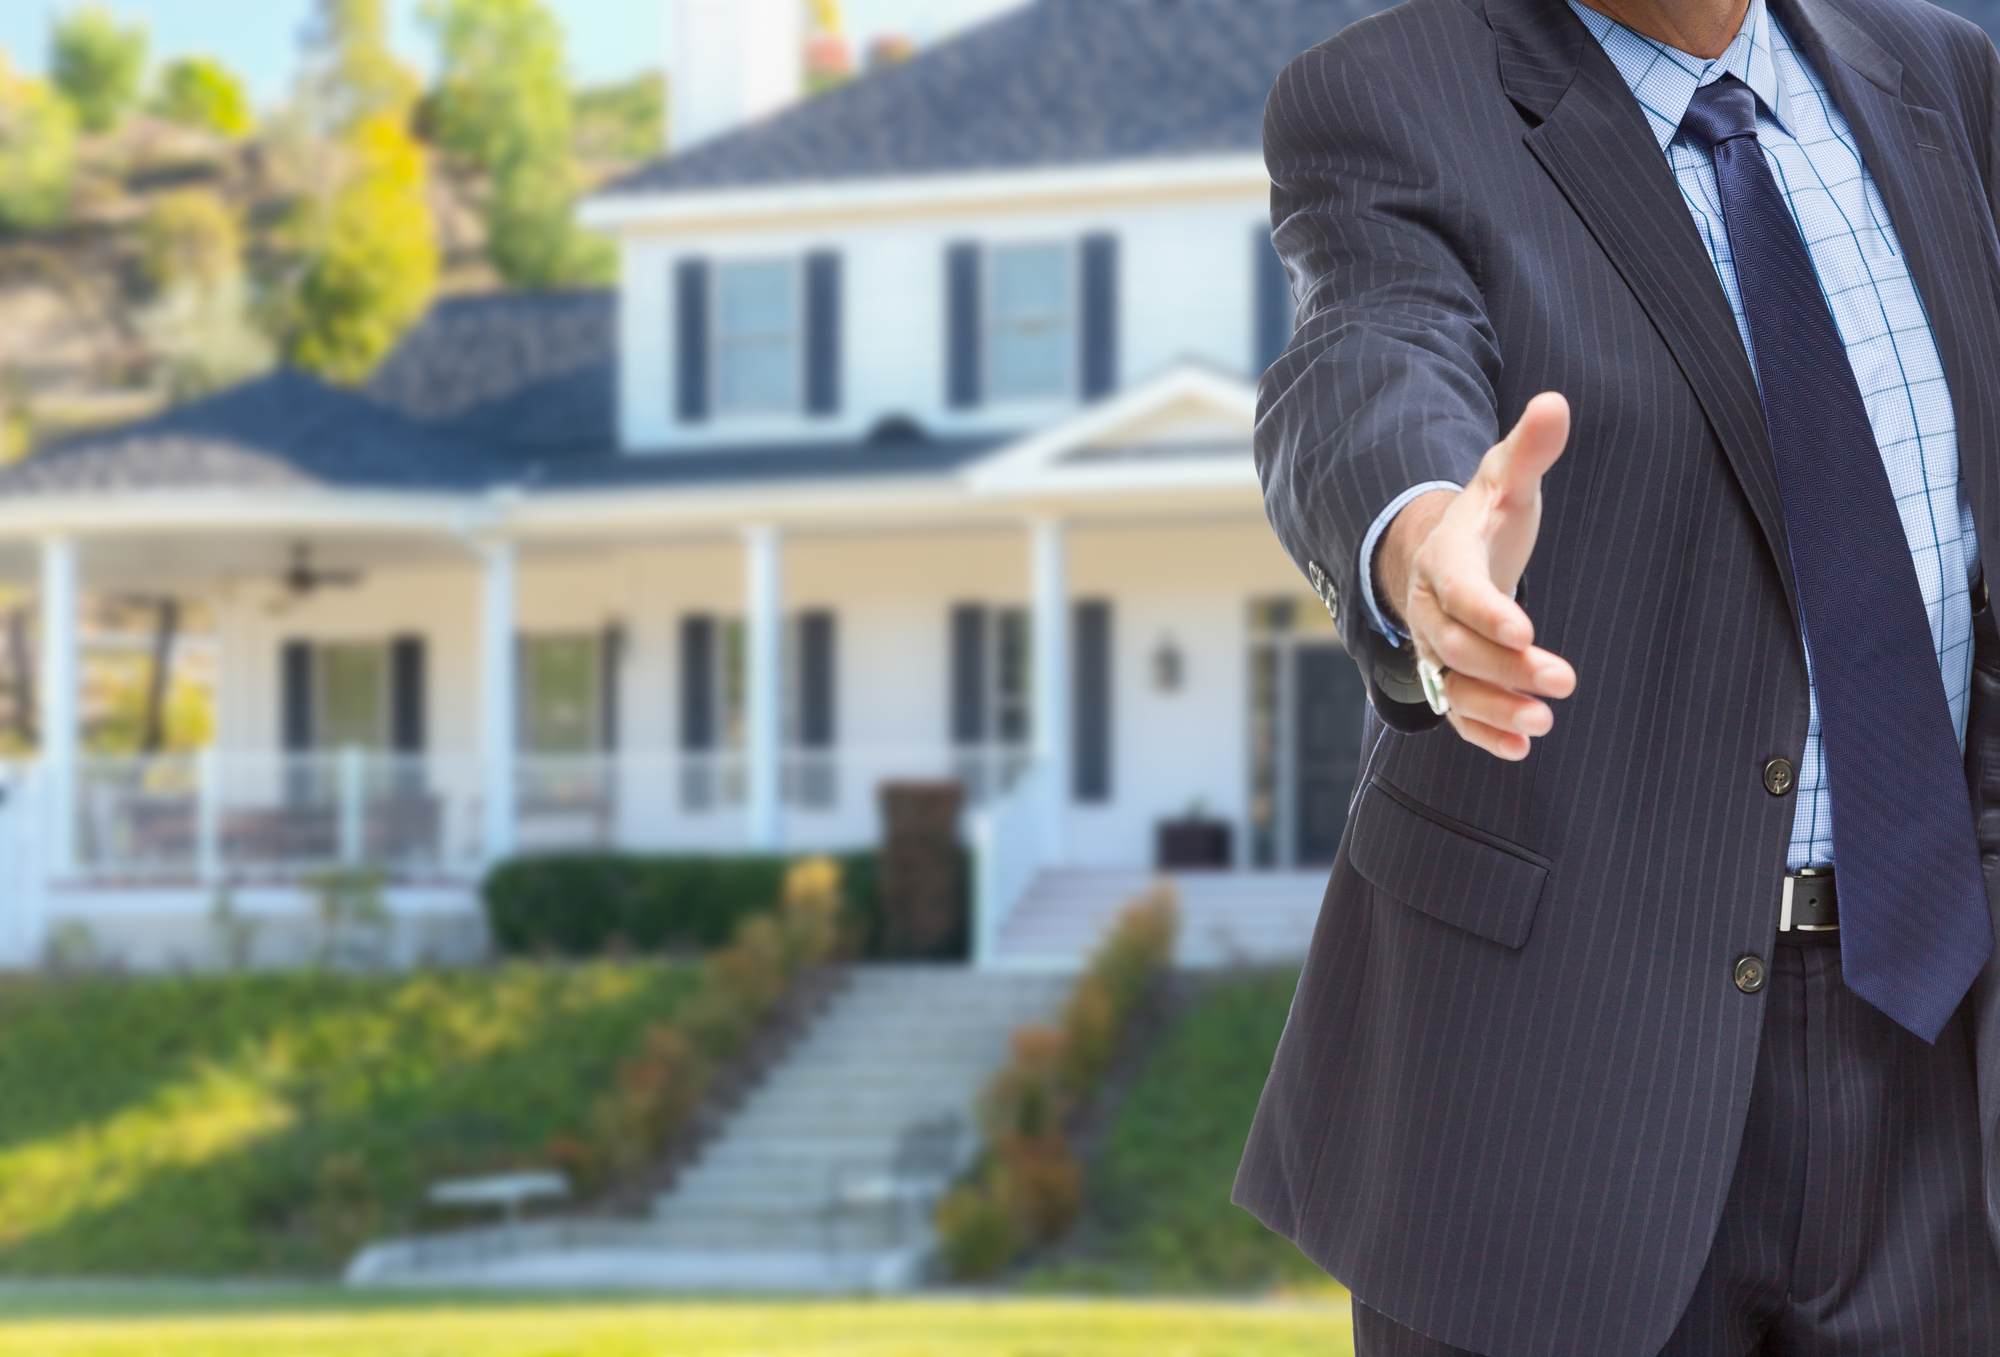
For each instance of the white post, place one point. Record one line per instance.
(61, 677)
(208, 817)
(351, 770)
(497, 700)
(1051, 683)
(763, 611)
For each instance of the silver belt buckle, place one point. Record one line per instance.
(1785, 924)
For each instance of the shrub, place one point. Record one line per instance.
(97, 63)
(583, 904)
(37, 152)
(1029, 1176)
(202, 92)
(976, 1233)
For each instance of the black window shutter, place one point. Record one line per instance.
(962, 324)
(1100, 316)
(406, 695)
(1091, 768)
(968, 674)
(1275, 307)
(816, 679)
(698, 684)
(823, 333)
(610, 661)
(691, 340)
(296, 721)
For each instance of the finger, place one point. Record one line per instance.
(1517, 463)
(1503, 744)
(1497, 707)
(1465, 595)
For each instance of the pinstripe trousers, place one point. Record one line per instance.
(1854, 1225)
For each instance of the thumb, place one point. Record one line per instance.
(1518, 462)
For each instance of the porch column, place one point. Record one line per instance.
(1051, 693)
(61, 675)
(497, 699)
(763, 613)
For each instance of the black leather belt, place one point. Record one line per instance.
(1810, 904)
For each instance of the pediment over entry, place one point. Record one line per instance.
(1189, 427)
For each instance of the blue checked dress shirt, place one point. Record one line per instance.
(1875, 306)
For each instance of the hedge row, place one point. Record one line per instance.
(588, 904)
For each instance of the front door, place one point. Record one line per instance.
(1327, 697)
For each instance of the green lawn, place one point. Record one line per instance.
(1160, 1187)
(268, 1124)
(109, 1323)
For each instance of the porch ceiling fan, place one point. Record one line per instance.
(302, 579)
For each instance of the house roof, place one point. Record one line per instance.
(1056, 82)
(282, 431)
(514, 389)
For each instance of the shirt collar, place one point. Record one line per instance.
(1664, 79)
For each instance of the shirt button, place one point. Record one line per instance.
(1778, 777)
(1750, 974)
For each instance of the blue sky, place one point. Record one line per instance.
(607, 38)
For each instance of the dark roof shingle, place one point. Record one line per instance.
(1057, 82)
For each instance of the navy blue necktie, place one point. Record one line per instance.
(1914, 927)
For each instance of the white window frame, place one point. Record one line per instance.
(991, 325)
(719, 341)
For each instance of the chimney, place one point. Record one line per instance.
(733, 61)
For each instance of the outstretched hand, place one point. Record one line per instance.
(1451, 562)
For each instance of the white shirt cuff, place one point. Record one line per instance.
(1375, 531)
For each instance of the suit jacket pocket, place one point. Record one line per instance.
(1448, 870)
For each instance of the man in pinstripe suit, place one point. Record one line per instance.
(1668, 1025)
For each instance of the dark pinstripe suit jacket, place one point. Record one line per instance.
(1507, 1105)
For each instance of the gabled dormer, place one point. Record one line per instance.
(1047, 210)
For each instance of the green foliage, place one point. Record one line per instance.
(37, 152)
(1028, 1173)
(502, 106)
(374, 264)
(350, 76)
(190, 239)
(261, 1124)
(1161, 1182)
(623, 122)
(98, 64)
(202, 92)
(585, 904)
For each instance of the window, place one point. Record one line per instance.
(712, 690)
(757, 337)
(562, 689)
(991, 721)
(354, 696)
(1031, 326)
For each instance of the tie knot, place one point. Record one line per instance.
(1720, 111)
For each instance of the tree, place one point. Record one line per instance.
(376, 261)
(98, 64)
(502, 106)
(621, 123)
(198, 322)
(349, 74)
(368, 243)
(37, 152)
(202, 92)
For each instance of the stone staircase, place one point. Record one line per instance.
(1227, 918)
(897, 1044)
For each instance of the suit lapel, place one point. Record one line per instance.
(1593, 140)
(1924, 171)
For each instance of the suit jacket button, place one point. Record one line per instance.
(1778, 777)
(1751, 974)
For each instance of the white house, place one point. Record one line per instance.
(914, 443)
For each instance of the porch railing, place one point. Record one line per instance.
(216, 817)
(1008, 852)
